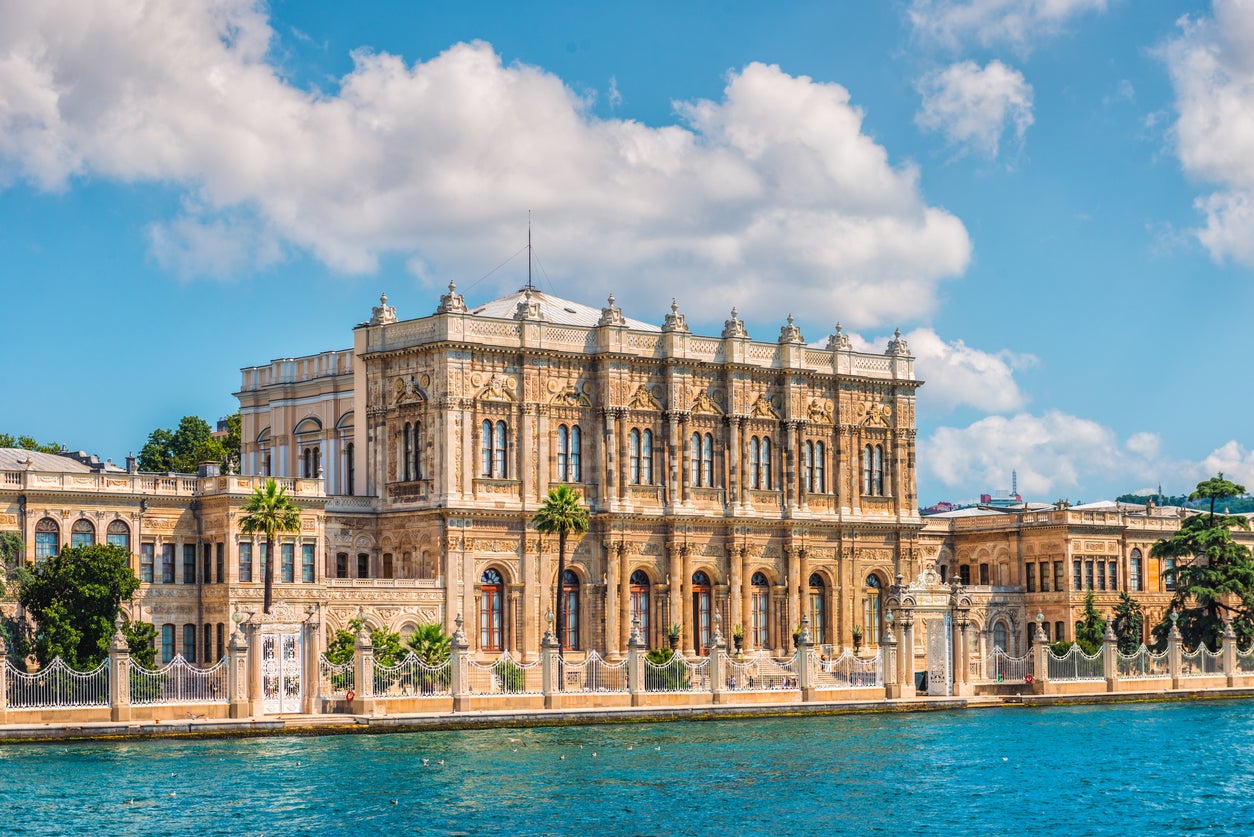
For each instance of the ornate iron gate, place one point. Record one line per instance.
(281, 673)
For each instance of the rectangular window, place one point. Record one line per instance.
(1169, 580)
(45, 546)
(1134, 574)
(208, 646)
(1059, 584)
(964, 574)
(1058, 630)
(287, 554)
(206, 574)
(1101, 576)
(1078, 580)
(220, 563)
(341, 565)
(245, 561)
(1044, 576)
(167, 564)
(1088, 575)
(984, 574)
(307, 563)
(189, 563)
(167, 643)
(145, 562)
(1045, 628)
(1031, 577)
(363, 565)
(221, 640)
(1112, 576)
(189, 643)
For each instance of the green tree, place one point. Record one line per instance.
(562, 513)
(387, 645)
(12, 551)
(183, 449)
(74, 598)
(1128, 624)
(1091, 628)
(269, 512)
(141, 640)
(8, 440)
(1213, 574)
(232, 444)
(430, 644)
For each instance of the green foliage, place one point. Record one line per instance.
(509, 675)
(269, 512)
(141, 640)
(8, 440)
(388, 650)
(1213, 575)
(1128, 623)
(340, 645)
(387, 645)
(674, 675)
(12, 551)
(1061, 648)
(562, 513)
(183, 449)
(430, 644)
(74, 598)
(231, 445)
(1091, 628)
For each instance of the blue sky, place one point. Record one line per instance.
(1051, 198)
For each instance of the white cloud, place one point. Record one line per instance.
(1014, 23)
(1212, 70)
(615, 98)
(438, 163)
(1234, 461)
(973, 106)
(956, 374)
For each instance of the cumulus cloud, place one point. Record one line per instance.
(1211, 63)
(439, 161)
(1015, 23)
(973, 107)
(1234, 461)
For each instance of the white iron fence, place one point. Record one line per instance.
(849, 671)
(1075, 665)
(56, 684)
(335, 680)
(1142, 664)
(412, 677)
(1201, 662)
(594, 675)
(178, 681)
(506, 676)
(1000, 667)
(760, 673)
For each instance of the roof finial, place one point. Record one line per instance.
(611, 300)
(674, 305)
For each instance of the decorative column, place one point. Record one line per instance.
(635, 664)
(363, 660)
(119, 674)
(892, 688)
(799, 446)
(1173, 651)
(611, 458)
(255, 693)
(805, 662)
(460, 668)
(4, 682)
(790, 466)
(613, 589)
(311, 674)
(1041, 658)
(550, 671)
(676, 574)
(735, 488)
(624, 460)
(906, 650)
(624, 603)
(962, 659)
(793, 587)
(1229, 651)
(718, 663)
(237, 671)
(736, 591)
(1110, 659)
(691, 645)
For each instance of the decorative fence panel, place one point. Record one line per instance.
(1000, 667)
(760, 673)
(506, 677)
(178, 681)
(849, 671)
(335, 680)
(594, 675)
(1245, 661)
(675, 675)
(1201, 662)
(1075, 665)
(411, 677)
(1142, 664)
(57, 685)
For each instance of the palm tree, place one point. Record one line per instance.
(561, 513)
(430, 644)
(270, 512)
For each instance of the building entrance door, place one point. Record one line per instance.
(281, 685)
(939, 655)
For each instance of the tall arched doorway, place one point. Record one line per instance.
(570, 610)
(640, 603)
(818, 609)
(702, 613)
(491, 611)
(871, 611)
(759, 611)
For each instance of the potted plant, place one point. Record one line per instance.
(738, 637)
(673, 634)
(857, 638)
(796, 637)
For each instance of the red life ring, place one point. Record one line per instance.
(1027, 678)
(349, 695)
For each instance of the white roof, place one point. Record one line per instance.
(974, 511)
(556, 310)
(15, 459)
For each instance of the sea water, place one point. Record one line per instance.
(1129, 769)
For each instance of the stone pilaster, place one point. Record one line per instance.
(237, 675)
(1173, 652)
(635, 664)
(1040, 660)
(1229, 651)
(1110, 657)
(119, 674)
(550, 671)
(805, 662)
(363, 669)
(460, 671)
(892, 687)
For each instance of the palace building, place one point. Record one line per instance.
(730, 482)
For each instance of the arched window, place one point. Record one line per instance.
(407, 452)
(694, 476)
(1169, 574)
(868, 484)
(349, 471)
(707, 460)
(418, 446)
(119, 534)
(759, 621)
(766, 463)
(755, 463)
(82, 533)
(491, 611)
(640, 601)
(47, 539)
(807, 466)
(495, 450)
(878, 471)
(1134, 571)
(701, 608)
(576, 450)
(563, 451)
(569, 442)
(999, 635)
(871, 611)
(818, 609)
(820, 481)
(570, 609)
(189, 643)
(646, 458)
(633, 456)
(167, 643)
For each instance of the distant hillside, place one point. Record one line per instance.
(1234, 505)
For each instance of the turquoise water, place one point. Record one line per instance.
(1132, 769)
